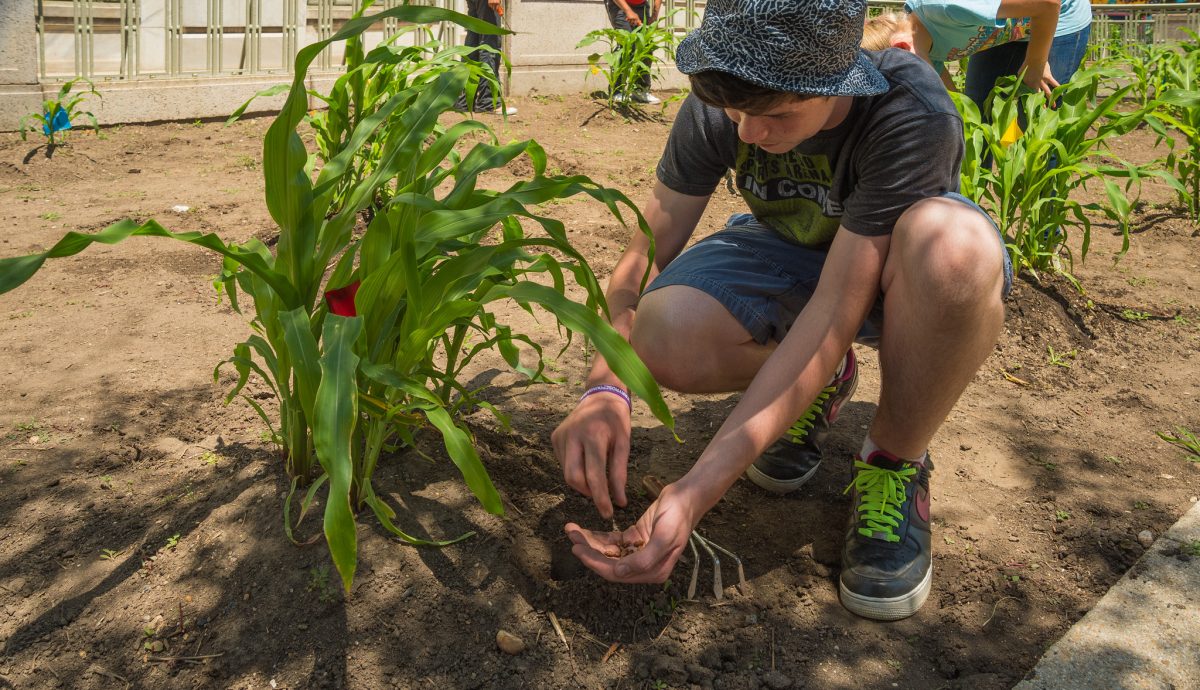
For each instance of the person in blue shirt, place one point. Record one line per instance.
(1046, 39)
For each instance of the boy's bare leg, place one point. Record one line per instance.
(943, 314)
(692, 344)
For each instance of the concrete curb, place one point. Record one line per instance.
(1144, 633)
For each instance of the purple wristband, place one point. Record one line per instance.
(608, 389)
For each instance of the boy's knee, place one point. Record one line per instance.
(657, 332)
(672, 336)
(951, 248)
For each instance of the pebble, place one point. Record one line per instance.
(1146, 538)
(964, 446)
(776, 680)
(509, 643)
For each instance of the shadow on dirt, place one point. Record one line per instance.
(632, 112)
(49, 153)
(150, 501)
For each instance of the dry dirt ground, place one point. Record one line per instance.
(142, 531)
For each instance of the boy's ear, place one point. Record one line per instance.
(902, 44)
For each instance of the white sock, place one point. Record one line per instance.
(869, 446)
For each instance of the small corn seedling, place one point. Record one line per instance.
(1147, 64)
(364, 337)
(1186, 440)
(59, 114)
(1028, 185)
(631, 58)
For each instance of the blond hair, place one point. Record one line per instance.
(878, 30)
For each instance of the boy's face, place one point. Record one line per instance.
(783, 127)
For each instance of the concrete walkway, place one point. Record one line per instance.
(1144, 633)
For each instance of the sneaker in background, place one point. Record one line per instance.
(887, 564)
(646, 97)
(505, 111)
(793, 459)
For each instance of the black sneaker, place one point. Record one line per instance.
(887, 565)
(793, 459)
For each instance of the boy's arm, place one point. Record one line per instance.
(789, 381)
(799, 368)
(592, 443)
(1043, 21)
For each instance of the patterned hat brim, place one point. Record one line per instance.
(861, 78)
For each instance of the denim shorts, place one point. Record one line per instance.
(765, 280)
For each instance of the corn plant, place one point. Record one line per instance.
(1147, 64)
(363, 334)
(1180, 111)
(631, 57)
(60, 113)
(1027, 187)
(367, 85)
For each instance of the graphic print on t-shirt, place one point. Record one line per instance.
(988, 36)
(790, 193)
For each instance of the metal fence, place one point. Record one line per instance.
(145, 39)
(1118, 24)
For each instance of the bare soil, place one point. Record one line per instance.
(142, 529)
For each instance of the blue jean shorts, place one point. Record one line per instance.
(765, 280)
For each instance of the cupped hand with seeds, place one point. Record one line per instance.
(646, 552)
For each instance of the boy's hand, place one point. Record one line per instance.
(647, 551)
(633, 18)
(592, 445)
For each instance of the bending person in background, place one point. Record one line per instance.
(628, 15)
(1045, 38)
(485, 100)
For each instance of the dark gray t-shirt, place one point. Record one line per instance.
(892, 150)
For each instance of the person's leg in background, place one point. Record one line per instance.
(485, 102)
(618, 20)
(986, 66)
(1067, 53)
(643, 94)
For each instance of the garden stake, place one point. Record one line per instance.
(654, 486)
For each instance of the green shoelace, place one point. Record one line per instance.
(880, 495)
(799, 429)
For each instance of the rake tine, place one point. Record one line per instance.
(741, 571)
(691, 593)
(718, 590)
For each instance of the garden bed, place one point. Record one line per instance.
(143, 531)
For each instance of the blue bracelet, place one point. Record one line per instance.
(608, 389)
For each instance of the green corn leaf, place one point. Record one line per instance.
(304, 357)
(1181, 98)
(16, 270)
(335, 412)
(305, 503)
(462, 452)
(617, 352)
(262, 414)
(386, 516)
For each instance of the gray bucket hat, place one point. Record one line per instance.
(808, 47)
